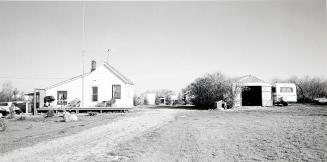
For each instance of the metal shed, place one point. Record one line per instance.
(252, 91)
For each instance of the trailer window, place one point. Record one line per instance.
(286, 89)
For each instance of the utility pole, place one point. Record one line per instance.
(34, 104)
(35, 99)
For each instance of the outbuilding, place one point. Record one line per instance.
(252, 91)
(150, 99)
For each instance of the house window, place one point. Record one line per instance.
(116, 91)
(61, 97)
(94, 94)
(286, 89)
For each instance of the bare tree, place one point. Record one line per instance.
(309, 88)
(234, 89)
(6, 92)
(9, 93)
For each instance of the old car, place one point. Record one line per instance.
(5, 108)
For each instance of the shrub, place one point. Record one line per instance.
(101, 104)
(205, 91)
(111, 102)
(11, 112)
(309, 88)
(50, 113)
(92, 113)
(22, 118)
(3, 125)
(157, 101)
(168, 100)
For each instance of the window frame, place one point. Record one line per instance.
(113, 91)
(93, 94)
(286, 90)
(64, 101)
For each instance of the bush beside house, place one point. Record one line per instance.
(206, 90)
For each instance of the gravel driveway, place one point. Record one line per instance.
(94, 144)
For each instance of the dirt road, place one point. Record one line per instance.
(95, 144)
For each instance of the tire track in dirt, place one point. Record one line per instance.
(95, 143)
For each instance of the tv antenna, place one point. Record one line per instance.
(107, 57)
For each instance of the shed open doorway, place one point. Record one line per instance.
(252, 96)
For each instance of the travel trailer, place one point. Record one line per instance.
(284, 93)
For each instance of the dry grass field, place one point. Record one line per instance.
(23, 133)
(293, 133)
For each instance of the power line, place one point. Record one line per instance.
(8, 77)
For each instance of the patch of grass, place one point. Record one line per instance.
(22, 118)
(50, 113)
(92, 113)
(3, 125)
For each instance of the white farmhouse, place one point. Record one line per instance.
(100, 84)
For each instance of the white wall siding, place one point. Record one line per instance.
(73, 88)
(101, 78)
(266, 96)
(238, 97)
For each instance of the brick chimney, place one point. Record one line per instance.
(93, 65)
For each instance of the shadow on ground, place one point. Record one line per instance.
(184, 107)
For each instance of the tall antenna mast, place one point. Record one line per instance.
(107, 58)
(83, 48)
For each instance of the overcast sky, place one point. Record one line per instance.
(162, 44)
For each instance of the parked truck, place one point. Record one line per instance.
(284, 93)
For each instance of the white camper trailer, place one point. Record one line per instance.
(284, 93)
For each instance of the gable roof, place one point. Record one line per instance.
(250, 79)
(68, 80)
(118, 74)
(107, 66)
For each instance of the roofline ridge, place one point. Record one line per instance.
(118, 74)
(67, 80)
